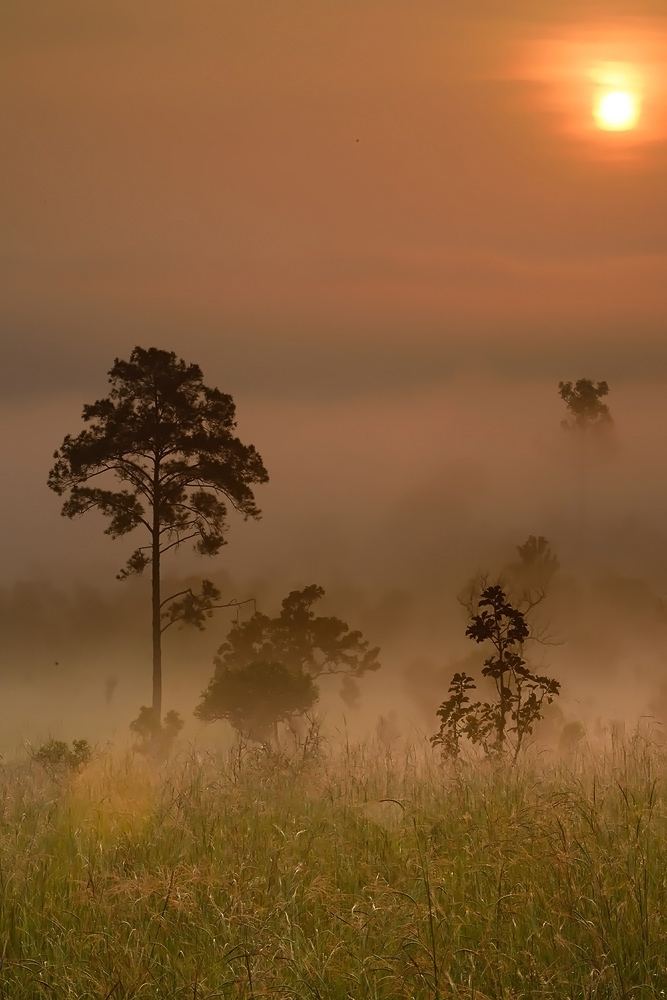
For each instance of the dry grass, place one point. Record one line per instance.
(361, 875)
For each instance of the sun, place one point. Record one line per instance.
(617, 110)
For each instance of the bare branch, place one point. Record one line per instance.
(179, 541)
(180, 593)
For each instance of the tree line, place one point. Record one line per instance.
(159, 456)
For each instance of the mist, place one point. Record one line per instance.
(392, 501)
(336, 332)
(389, 237)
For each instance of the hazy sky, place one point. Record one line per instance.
(344, 210)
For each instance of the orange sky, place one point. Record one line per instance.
(319, 199)
(190, 172)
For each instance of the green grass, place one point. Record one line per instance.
(251, 877)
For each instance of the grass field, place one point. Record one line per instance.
(253, 876)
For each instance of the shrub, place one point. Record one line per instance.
(58, 755)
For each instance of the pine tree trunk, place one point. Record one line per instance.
(156, 619)
(157, 637)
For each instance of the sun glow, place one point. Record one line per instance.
(604, 85)
(617, 96)
(617, 110)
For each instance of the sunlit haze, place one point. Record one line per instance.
(388, 230)
(333, 590)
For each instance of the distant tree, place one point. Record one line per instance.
(526, 582)
(529, 578)
(537, 563)
(266, 671)
(520, 693)
(589, 423)
(583, 400)
(159, 454)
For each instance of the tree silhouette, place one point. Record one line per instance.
(456, 715)
(520, 693)
(528, 579)
(285, 655)
(583, 400)
(526, 582)
(537, 563)
(256, 699)
(159, 454)
(589, 424)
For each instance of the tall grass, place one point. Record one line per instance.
(365, 874)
